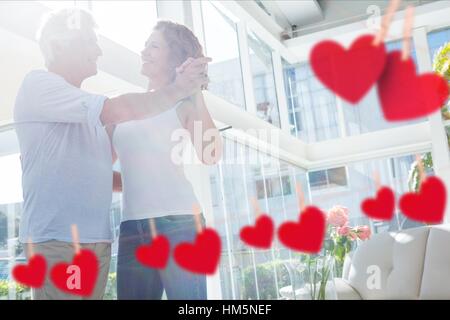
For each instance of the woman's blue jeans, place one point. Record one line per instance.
(138, 282)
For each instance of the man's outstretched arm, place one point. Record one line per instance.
(136, 106)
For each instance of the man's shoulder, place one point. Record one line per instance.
(26, 95)
(39, 75)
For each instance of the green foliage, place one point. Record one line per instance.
(111, 287)
(441, 65)
(22, 292)
(318, 272)
(338, 247)
(266, 280)
(413, 179)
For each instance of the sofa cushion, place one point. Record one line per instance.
(389, 265)
(436, 271)
(345, 291)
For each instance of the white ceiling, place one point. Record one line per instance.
(300, 12)
(315, 15)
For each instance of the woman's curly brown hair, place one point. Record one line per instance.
(181, 41)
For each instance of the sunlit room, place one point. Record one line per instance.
(326, 178)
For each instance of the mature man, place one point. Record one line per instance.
(65, 150)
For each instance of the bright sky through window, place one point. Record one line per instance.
(222, 44)
(11, 181)
(128, 23)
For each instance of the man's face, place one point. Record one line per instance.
(81, 54)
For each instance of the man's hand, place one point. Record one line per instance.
(181, 68)
(191, 75)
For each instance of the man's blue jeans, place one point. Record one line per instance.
(138, 282)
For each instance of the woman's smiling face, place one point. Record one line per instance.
(155, 56)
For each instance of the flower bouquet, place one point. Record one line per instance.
(341, 237)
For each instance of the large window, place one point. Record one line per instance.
(273, 187)
(263, 80)
(312, 107)
(128, 23)
(393, 172)
(248, 273)
(436, 41)
(328, 179)
(56, 5)
(367, 116)
(222, 46)
(314, 110)
(10, 211)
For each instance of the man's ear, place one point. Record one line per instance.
(56, 49)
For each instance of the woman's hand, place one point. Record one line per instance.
(187, 63)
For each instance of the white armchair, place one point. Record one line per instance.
(409, 264)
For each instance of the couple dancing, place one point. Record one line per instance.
(69, 140)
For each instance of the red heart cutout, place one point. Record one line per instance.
(261, 235)
(404, 95)
(201, 257)
(382, 206)
(428, 205)
(155, 254)
(349, 73)
(307, 235)
(79, 277)
(31, 274)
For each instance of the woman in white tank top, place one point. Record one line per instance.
(153, 182)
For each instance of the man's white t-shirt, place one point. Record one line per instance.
(66, 161)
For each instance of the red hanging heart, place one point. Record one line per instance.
(201, 257)
(349, 73)
(33, 273)
(78, 277)
(428, 205)
(307, 235)
(260, 235)
(404, 95)
(382, 206)
(155, 254)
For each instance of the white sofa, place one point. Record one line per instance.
(410, 264)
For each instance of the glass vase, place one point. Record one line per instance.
(319, 277)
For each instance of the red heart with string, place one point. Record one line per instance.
(260, 235)
(382, 206)
(31, 274)
(80, 276)
(428, 205)
(307, 235)
(203, 255)
(404, 95)
(155, 254)
(349, 73)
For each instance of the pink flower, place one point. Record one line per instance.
(353, 236)
(337, 216)
(344, 230)
(364, 232)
